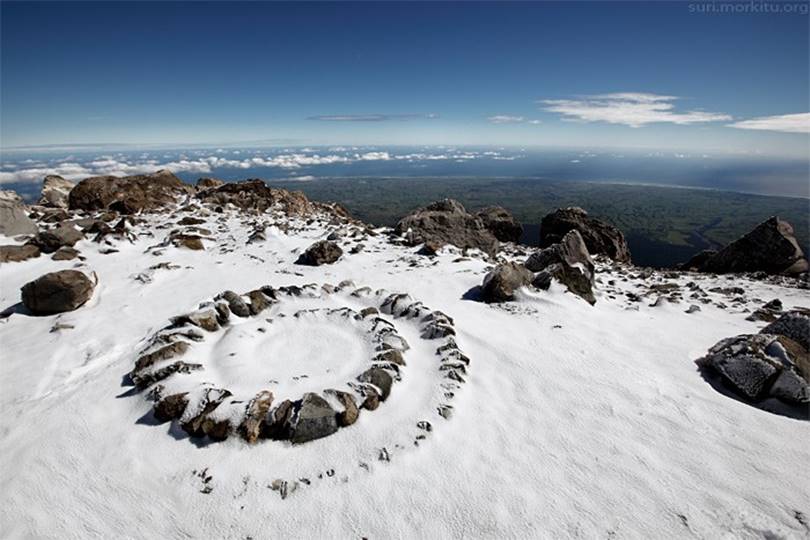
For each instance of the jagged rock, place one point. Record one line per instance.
(447, 222)
(171, 407)
(313, 420)
(65, 253)
(393, 356)
(257, 409)
(10, 196)
(13, 218)
(568, 262)
(322, 252)
(771, 247)
(277, 423)
(236, 304)
(380, 378)
(55, 191)
(794, 324)
(129, 194)
(350, 411)
(254, 194)
(208, 183)
(147, 378)
(57, 292)
(501, 283)
(599, 237)
(768, 313)
(172, 350)
(18, 253)
(501, 223)
(52, 240)
(196, 425)
(759, 366)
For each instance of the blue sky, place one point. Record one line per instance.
(655, 75)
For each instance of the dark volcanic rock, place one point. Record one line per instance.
(208, 183)
(599, 236)
(501, 223)
(568, 262)
(771, 247)
(447, 222)
(794, 324)
(57, 292)
(322, 252)
(50, 241)
(18, 253)
(314, 419)
(129, 194)
(501, 283)
(65, 253)
(236, 304)
(256, 195)
(379, 378)
(171, 407)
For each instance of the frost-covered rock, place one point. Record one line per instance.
(57, 292)
(569, 263)
(501, 283)
(794, 324)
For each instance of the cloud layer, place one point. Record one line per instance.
(506, 119)
(371, 117)
(628, 108)
(786, 123)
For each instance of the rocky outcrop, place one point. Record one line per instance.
(447, 222)
(13, 218)
(18, 253)
(208, 183)
(129, 194)
(794, 324)
(319, 253)
(55, 191)
(501, 223)
(501, 283)
(57, 292)
(599, 237)
(771, 247)
(254, 194)
(568, 262)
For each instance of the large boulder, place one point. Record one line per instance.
(57, 292)
(569, 263)
(62, 236)
(771, 247)
(13, 218)
(55, 191)
(761, 366)
(501, 283)
(128, 194)
(314, 419)
(447, 222)
(501, 223)
(599, 237)
(254, 194)
(322, 252)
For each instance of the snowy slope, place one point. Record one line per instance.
(575, 421)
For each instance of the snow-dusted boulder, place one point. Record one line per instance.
(52, 240)
(568, 262)
(315, 419)
(501, 283)
(57, 292)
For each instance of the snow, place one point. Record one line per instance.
(575, 421)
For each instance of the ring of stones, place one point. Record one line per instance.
(210, 410)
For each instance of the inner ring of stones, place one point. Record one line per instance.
(299, 403)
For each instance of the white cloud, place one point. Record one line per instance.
(628, 108)
(505, 119)
(787, 123)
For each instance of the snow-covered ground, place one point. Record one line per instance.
(575, 421)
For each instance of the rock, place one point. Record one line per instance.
(447, 222)
(236, 304)
(10, 196)
(768, 313)
(314, 419)
(145, 379)
(569, 263)
(350, 411)
(322, 252)
(188, 241)
(18, 253)
(794, 324)
(208, 183)
(599, 237)
(254, 194)
(200, 425)
(57, 292)
(501, 283)
(191, 220)
(129, 194)
(170, 407)
(172, 350)
(771, 247)
(55, 191)
(207, 319)
(501, 223)
(258, 302)
(277, 423)
(752, 365)
(65, 253)
(257, 409)
(380, 378)
(13, 218)
(52, 240)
